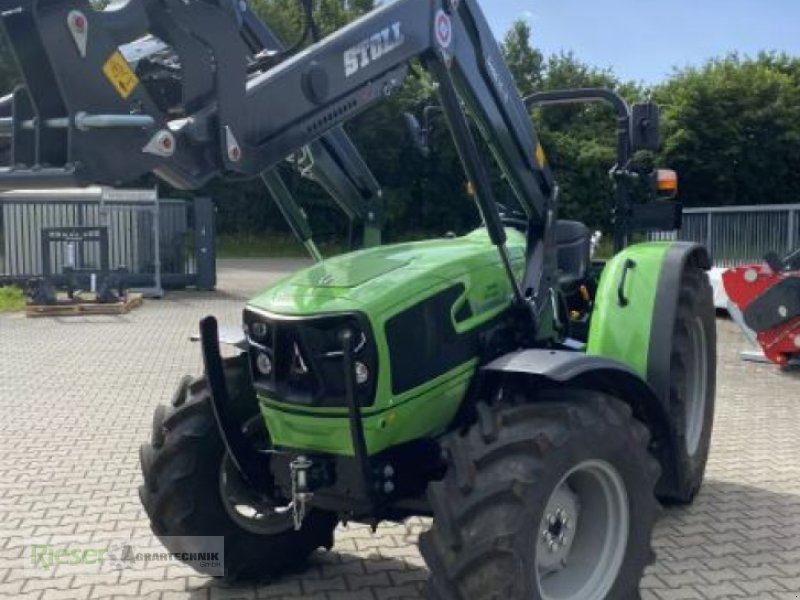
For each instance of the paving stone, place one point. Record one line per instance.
(69, 468)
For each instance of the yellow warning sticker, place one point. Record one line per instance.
(541, 159)
(120, 74)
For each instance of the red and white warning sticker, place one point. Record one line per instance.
(443, 29)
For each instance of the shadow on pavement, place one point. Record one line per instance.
(330, 575)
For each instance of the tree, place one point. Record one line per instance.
(732, 130)
(580, 140)
(525, 62)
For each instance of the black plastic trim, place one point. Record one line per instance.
(664, 312)
(423, 342)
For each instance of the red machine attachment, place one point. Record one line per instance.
(766, 304)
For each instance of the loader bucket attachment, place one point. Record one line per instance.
(82, 115)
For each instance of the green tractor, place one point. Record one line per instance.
(538, 427)
(535, 403)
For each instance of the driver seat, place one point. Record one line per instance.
(573, 244)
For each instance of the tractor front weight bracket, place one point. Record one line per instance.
(252, 465)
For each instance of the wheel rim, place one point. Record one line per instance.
(583, 534)
(696, 386)
(252, 511)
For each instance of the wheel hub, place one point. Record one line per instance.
(557, 529)
(583, 534)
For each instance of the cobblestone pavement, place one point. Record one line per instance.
(77, 395)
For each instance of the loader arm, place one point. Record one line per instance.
(83, 115)
(332, 161)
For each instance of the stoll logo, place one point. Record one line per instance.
(373, 48)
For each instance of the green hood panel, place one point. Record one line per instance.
(376, 279)
(349, 272)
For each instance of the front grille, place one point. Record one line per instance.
(300, 360)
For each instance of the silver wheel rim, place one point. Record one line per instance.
(249, 509)
(583, 534)
(696, 386)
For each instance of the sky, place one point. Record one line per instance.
(643, 40)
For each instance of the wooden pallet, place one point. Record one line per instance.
(65, 308)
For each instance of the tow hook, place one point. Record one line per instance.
(301, 494)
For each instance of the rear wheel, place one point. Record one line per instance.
(191, 491)
(552, 500)
(693, 366)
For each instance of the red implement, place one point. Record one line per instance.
(756, 290)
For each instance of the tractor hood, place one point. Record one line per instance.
(379, 278)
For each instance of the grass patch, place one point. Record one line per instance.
(269, 245)
(11, 299)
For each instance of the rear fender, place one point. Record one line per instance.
(635, 308)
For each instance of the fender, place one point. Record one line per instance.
(581, 370)
(676, 259)
(635, 308)
(598, 373)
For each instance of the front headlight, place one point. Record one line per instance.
(259, 331)
(362, 373)
(301, 360)
(264, 363)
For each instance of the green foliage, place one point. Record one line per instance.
(11, 299)
(732, 130)
(526, 63)
(580, 140)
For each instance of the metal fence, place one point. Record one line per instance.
(740, 234)
(45, 231)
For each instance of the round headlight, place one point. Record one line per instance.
(362, 373)
(259, 331)
(264, 364)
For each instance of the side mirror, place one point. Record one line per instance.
(419, 136)
(646, 127)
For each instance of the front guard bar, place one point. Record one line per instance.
(253, 466)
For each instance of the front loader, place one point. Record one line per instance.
(537, 405)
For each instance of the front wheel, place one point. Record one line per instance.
(550, 500)
(191, 492)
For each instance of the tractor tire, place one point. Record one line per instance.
(552, 499)
(186, 468)
(693, 370)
